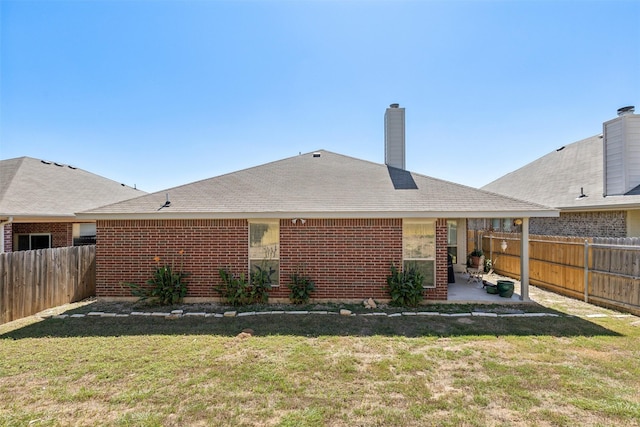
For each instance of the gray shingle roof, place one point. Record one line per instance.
(33, 188)
(325, 185)
(557, 178)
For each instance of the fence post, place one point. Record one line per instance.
(586, 271)
(491, 249)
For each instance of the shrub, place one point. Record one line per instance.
(261, 282)
(237, 290)
(166, 287)
(301, 287)
(405, 287)
(234, 289)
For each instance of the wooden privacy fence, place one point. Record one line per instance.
(602, 271)
(32, 281)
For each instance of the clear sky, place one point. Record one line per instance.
(163, 93)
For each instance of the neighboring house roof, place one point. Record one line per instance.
(321, 184)
(560, 177)
(36, 189)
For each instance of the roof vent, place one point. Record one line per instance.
(626, 110)
(46, 162)
(394, 105)
(581, 195)
(316, 154)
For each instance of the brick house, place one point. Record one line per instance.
(594, 183)
(340, 220)
(38, 201)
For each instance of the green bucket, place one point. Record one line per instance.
(505, 288)
(492, 289)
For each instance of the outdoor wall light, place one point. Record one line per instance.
(503, 245)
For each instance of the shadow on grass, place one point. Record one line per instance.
(315, 325)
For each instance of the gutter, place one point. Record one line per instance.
(2, 224)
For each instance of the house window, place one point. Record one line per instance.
(84, 234)
(419, 248)
(264, 248)
(27, 242)
(452, 240)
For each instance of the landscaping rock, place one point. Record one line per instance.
(246, 313)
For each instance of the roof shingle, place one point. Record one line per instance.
(324, 185)
(34, 188)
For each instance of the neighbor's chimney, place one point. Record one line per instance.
(621, 149)
(394, 136)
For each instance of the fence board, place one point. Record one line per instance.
(32, 281)
(556, 263)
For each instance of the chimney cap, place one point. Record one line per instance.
(394, 105)
(626, 110)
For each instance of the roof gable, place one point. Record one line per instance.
(319, 184)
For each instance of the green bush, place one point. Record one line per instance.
(261, 281)
(405, 287)
(301, 287)
(166, 287)
(237, 290)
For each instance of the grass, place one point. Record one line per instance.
(318, 370)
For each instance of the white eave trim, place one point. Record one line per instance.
(167, 215)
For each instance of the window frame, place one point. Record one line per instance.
(254, 260)
(452, 246)
(30, 236)
(428, 259)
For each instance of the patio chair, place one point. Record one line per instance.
(476, 273)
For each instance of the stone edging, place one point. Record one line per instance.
(175, 314)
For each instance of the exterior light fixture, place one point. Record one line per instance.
(503, 245)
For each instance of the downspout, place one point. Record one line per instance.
(2, 224)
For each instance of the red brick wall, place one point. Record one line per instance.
(8, 237)
(347, 258)
(125, 252)
(61, 232)
(440, 291)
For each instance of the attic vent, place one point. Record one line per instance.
(58, 164)
(316, 154)
(560, 149)
(72, 167)
(46, 162)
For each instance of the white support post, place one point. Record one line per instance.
(524, 261)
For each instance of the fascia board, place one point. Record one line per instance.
(329, 215)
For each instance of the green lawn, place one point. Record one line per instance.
(323, 370)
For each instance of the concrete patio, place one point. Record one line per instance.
(465, 291)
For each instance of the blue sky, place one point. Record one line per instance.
(162, 93)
